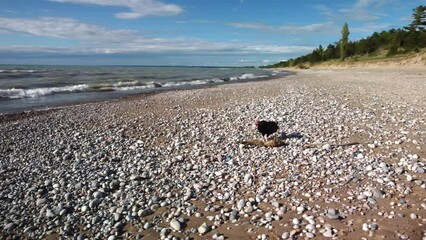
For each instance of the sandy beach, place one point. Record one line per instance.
(171, 166)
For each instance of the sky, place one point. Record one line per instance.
(185, 32)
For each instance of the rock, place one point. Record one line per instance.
(144, 212)
(276, 204)
(50, 213)
(204, 228)
(96, 219)
(94, 203)
(97, 194)
(147, 225)
(248, 209)
(328, 233)
(241, 203)
(114, 184)
(310, 227)
(41, 201)
(361, 197)
(285, 235)
(84, 208)
(9, 226)
(374, 226)
(117, 216)
(29, 229)
(300, 209)
(377, 193)
(365, 227)
(175, 225)
(371, 201)
(326, 146)
(332, 214)
(295, 221)
(310, 235)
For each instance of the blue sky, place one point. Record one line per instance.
(184, 32)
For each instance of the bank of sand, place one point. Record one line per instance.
(355, 144)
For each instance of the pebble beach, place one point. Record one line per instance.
(171, 165)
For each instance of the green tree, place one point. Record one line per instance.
(419, 19)
(344, 41)
(317, 55)
(331, 52)
(416, 28)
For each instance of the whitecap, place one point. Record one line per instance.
(16, 93)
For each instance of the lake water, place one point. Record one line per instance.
(32, 87)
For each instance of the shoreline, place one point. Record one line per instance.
(165, 164)
(14, 113)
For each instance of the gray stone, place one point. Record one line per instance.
(332, 214)
(175, 225)
(377, 193)
(328, 233)
(41, 201)
(204, 228)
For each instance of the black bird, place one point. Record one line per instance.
(266, 128)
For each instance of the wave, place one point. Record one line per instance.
(17, 71)
(17, 93)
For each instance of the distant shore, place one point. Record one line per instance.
(171, 164)
(411, 61)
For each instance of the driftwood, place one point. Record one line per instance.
(275, 142)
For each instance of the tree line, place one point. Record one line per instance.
(408, 39)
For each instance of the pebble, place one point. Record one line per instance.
(310, 235)
(175, 225)
(203, 229)
(9, 226)
(328, 233)
(41, 201)
(296, 221)
(373, 226)
(332, 214)
(285, 235)
(84, 208)
(377, 193)
(310, 227)
(300, 209)
(241, 203)
(365, 227)
(111, 168)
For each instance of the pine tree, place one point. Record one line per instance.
(419, 19)
(344, 41)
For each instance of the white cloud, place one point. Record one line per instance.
(96, 39)
(278, 49)
(324, 10)
(360, 10)
(64, 28)
(369, 28)
(365, 10)
(322, 28)
(138, 8)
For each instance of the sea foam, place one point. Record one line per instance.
(39, 92)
